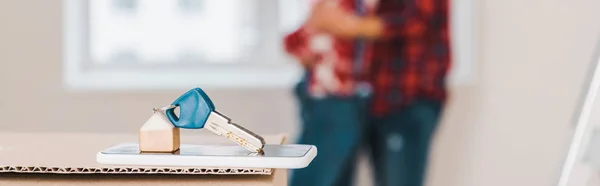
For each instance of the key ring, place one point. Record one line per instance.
(164, 108)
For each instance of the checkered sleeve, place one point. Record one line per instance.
(438, 54)
(297, 44)
(443, 22)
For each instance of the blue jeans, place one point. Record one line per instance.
(398, 143)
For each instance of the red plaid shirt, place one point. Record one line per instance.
(409, 62)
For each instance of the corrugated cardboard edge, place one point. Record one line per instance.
(139, 170)
(100, 170)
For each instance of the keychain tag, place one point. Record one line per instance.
(158, 134)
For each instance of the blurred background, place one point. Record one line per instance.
(100, 66)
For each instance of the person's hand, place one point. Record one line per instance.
(308, 61)
(328, 17)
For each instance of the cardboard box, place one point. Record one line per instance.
(70, 159)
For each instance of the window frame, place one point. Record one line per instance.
(282, 71)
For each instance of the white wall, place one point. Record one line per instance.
(508, 129)
(535, 54)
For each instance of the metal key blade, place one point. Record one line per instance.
(222, 125)
(246, 137)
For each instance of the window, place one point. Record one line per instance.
(153, 44)
(167, 32)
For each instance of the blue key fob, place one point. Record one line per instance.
(194, 108)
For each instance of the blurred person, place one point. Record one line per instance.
(381, 84)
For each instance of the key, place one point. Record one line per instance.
(197, 111)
